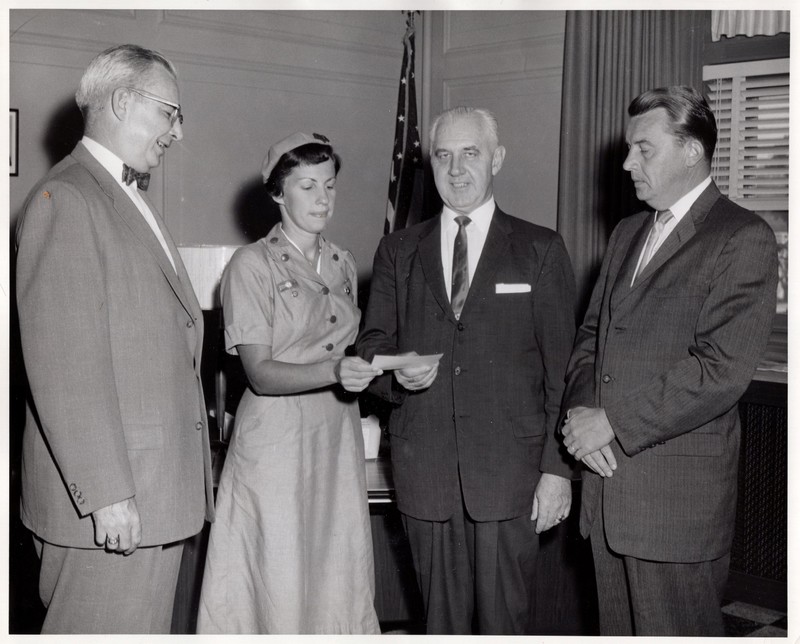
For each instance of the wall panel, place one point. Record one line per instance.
(511, 63)
(247, 78)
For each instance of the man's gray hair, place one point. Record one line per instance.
(488, 119)
(120, 66)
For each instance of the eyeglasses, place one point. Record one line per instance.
(176, 115)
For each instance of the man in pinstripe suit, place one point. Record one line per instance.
(677, 323)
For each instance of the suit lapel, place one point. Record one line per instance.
(429, 248)
(636, 243)
(495, 252)
(135, 221)
(683, 232)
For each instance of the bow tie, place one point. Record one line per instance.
(129, 174)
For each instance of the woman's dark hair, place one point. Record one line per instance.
(308, 154)
(689, 114)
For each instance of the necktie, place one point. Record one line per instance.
(460, 283)
(129, 175)
(655, 234)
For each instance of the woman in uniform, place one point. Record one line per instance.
(291, 548)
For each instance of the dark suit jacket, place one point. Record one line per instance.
(111, 339)
(490, 415)
(668, 359)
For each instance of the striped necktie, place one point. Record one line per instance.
(460, 283)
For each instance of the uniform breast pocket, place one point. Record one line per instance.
(289, 287)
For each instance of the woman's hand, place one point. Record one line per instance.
(355, 373)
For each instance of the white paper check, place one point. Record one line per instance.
(401, 362)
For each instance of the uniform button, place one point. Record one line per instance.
(347, 290)
(606, 378)
(81, 501)
(73, 487)
(189, 324)
(294, 294)
(325, 290)
(335, 257)
(460, 326)
(333, 319)
(198, 424)
(457, 371)
(285, 257)
(273, 240)
(329, 347)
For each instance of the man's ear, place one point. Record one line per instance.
(120, 102)
(693, 152)
(497, 159)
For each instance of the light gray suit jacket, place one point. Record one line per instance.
(668, 359)
(111, 340)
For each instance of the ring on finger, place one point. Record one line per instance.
(112, 541)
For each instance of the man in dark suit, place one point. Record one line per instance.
(677, 323)
(477, 469)
(115, 462)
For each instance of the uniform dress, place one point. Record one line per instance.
(291, 548)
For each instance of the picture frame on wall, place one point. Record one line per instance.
(13, 143)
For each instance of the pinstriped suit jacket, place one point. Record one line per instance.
(111, 340)
(668, 359)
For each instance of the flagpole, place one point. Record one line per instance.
(407, 149)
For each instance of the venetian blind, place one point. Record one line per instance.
(751, 104)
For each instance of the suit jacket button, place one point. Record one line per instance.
(72, 487)
(198, 424)
(335, 257)
(460, 326)
(333, 319)
(457, 371)
(329, 347)
(325, 290)
(606, 378)
(189, 324)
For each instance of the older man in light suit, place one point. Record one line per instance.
(677, 323)
(115, 463)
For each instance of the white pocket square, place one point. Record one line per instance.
(512, 288)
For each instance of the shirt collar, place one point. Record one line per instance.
(682, 206)
(106, 158)
(481, 216)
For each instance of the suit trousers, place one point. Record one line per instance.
(95, 591)
(654, 598)
(475, 577)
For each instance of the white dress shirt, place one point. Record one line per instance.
(113, 164)
(477, 231)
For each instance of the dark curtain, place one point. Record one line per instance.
(610, 57)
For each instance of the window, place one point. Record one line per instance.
(750, 101)
(751, 104)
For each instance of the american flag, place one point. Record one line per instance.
(407, 152)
